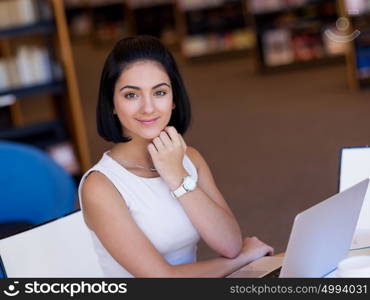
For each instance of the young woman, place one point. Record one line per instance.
(151, 198)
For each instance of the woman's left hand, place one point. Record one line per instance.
(167, 152)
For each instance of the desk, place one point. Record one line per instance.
(245, 271)
(362, 251)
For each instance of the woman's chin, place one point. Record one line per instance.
(149, 135)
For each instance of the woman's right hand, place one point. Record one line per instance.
(253, 249)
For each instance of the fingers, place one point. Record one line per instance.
(152, 150)
(168, 138)
(165, 139)
(163, 142)
(258, 243)
(173, 134)
(182, 142)
(157, 142)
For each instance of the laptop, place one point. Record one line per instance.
(354, 165)
(321, 237)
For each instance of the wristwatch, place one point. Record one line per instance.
(188, 184)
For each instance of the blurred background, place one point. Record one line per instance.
(277, 88)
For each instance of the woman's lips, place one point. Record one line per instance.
(149, 121)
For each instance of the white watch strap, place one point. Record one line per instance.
(185, 187)
(179, 191)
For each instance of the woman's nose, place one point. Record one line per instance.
(148, 105)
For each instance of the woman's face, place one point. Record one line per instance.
(143, 100)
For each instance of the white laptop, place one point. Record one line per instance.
(354, 165)
(321, 237)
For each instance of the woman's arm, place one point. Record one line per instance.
(210, 213)
(106, 213)
(205, 206)
(252, 249)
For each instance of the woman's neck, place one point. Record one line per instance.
(133, 151)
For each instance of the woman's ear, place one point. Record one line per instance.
(173, 106)
(114, 111)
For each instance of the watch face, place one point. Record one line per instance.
(189, 183)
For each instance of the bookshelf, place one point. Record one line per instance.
(99, 21)
(153, 17)
(213, 27)
(293, 34)
(104, 21)
(39, 97)
(357, 33)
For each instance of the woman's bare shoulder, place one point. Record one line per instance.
(96, 182)
(98, 187)
(195, 156)
(99, 197)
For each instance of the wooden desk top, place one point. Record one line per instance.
(355, 252)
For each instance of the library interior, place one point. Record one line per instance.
(277, 89)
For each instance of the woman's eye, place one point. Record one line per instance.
(160, 93)
(130, 95)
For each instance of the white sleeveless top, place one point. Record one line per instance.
(161, 217)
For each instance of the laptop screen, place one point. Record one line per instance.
(355, 167)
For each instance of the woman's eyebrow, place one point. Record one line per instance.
(129, 87)
(160, 84)
(137, 88)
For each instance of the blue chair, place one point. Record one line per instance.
(33, 188)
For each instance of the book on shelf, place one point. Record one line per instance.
(359, 11)
(137, 4)
(4, 78)
(277, 47)
(7, 100)
(307, 47)
(266, 6)
(81, 24)
(202, 44)
(12, 72)
(363, 62)
(23, 12)
(97, 3)
(186, 5)
(30, 66)
(282, 46)
(16, 12)
(33, 65)
(71, 4)
(357, 7)
(5, 119)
